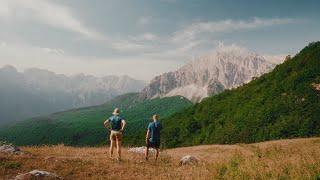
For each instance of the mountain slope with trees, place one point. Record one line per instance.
(84, 126)
(284, 103)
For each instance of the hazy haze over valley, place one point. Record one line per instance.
(37, 92)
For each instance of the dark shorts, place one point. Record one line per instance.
(155, 144)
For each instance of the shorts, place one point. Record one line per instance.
(114, 135)
(154, 144)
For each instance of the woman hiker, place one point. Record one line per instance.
(116, 125)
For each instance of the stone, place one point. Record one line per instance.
(36, 174)
(8, 148)
(316, 86)
(189, 160)
(140, 150)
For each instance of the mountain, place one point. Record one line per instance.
(228, 67)
(37, 92)
(284, 103)
(84, 126)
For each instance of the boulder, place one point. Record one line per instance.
(316, 86)
(37, 174)
(8, 148)
(189, 160)
(140, 150)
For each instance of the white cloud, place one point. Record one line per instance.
(145, 37)
(46, 12)
(277, 59)
(127, 46)
(144, 20)
(194, 30)
(54, 51)
(24, 56)
(3, 44)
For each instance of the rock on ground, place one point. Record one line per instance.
(35, 174)
(7, 148)
(189, 160)
(316, 86)
(141, 150)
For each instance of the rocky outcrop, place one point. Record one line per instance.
(189, 160)
(37, 174)
(224, 69)
(9, 148)
(140, 150)
(316, 86)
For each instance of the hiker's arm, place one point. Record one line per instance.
(123, 125)
(106, 124)
(147, 136)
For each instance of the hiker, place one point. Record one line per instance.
(153, 136)
(117, 126)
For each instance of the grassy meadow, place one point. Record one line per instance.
(282, 159)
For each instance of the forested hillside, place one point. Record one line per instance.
(284, 103)
(84, 126)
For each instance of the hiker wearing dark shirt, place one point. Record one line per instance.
(116, 126)
(153, 136)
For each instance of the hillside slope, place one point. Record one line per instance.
(284, 159)
(284, 103)
(84, 126)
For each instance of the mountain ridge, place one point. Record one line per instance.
(227, 67)
(37, 92)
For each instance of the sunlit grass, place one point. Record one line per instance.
(285, 159)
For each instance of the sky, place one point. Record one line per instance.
(144, 38)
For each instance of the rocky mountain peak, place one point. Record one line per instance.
(225, 68)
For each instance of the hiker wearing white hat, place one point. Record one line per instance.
(116, 126)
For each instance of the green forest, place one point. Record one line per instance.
(284, 103)
(84, 126)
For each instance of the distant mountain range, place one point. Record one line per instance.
(37, 92)
(226, 68)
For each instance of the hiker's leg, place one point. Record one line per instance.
(147, 152)
(119, 148)
(112, 144)
(157, 153)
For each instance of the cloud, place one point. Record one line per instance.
(169, 1)
(144, 20)
(24, 56)
(145, 37)
(3, 44)
(46, 12)
(54, 51)
(194, 30)
(125, 45)
(278, 58)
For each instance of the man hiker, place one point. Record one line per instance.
(153, 136)
(117, 126)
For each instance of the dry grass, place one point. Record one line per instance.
(284, 159)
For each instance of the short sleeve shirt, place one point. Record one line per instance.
(154, 129)
(115, 122)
